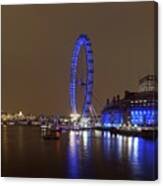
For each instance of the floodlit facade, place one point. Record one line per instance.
(135, 108)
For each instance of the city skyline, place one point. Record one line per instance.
(37, 44)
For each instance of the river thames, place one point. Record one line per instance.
(77, 154)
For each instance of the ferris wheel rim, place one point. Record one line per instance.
(82, 41)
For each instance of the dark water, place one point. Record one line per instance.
(84, 154)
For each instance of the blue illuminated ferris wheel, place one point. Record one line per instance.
(82, 41)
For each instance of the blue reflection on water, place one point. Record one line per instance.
(73, 155)
(115, 156)
(79, 153)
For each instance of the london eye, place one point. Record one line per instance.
(84, 82)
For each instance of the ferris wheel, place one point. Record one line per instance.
(85, 82)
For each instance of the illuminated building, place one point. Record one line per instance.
(135, 108)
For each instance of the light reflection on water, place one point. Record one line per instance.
(135, 153)
(73, 155)
(78, 154)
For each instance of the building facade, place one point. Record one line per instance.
(135, 108)
(148, 84)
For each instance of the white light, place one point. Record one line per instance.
(20, 113)
(74, 116)
(85, 138)
(139, 128)
(84, 122)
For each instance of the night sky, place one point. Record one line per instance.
(37, 43)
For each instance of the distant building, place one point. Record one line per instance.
(135, 108)
(148, 83)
